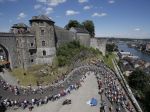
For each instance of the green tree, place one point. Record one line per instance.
(110, 47)
(72, 23)
(147, 100)
(70, 52)
(89, 26)
(138, 80)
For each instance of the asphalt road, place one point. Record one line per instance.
(100, 70)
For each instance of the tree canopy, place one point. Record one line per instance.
(111, 47)
(140, 82)
(138, 79)
(89, 26)
(72, 23)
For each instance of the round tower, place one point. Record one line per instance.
(43, 28)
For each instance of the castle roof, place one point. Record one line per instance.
(41, 18)
(80, 30)
(19, 25)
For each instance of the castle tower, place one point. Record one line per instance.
(43, 28)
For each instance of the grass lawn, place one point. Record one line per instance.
(108, 60)
(25, 80)
(33, 74)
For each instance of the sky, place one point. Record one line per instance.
(112, 18)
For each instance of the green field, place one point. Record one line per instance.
(33, 74)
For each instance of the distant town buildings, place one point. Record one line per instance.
(128, 63)
(148, 47)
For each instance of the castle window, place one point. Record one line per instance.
(31, 44)
(44, 53)
(42, 32)
(31, 53)
(17, 43)
(43, 43)
(32, 60)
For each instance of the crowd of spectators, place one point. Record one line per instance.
(30, 97)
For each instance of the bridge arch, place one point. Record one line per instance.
(5, 55)
(8, 44)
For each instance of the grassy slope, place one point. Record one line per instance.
(32, 76)
(108, 60)
(61, 64)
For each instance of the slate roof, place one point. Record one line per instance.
(81, 30)
(20, 25)
(41, 18)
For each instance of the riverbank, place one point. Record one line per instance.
(141, 55)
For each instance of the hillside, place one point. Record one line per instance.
(67, 57)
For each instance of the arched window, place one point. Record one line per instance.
(31, 44)
(43, 43)
(44, 53)
(32, 60)
(42, 32)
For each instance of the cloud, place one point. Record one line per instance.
(12, 0)
(42, 1)
(99, 14)
(21, 15)
(137, 29)
(37, 6)
(48, 10)
(7, 0)
(71, 12)
(52, 2)
(87, 7)
(82, 1)
(111, 1)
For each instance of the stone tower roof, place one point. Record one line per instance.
(20, 25)
(41, 18)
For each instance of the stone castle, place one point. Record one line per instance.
(24, 46)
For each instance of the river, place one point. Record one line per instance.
(123, 46)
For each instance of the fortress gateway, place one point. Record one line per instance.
(25, 46)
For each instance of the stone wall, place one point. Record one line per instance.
(63, 36)
(99, 43)
(26, 50)
(83, 38)
(45, 42)
(8, 41)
